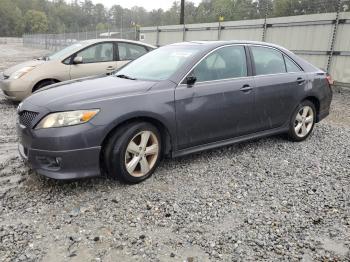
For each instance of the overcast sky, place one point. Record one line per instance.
(147, 4)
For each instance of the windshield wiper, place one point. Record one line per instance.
(126, 77)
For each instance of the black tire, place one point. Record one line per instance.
(43, 84)
(114, 156)
(293, 121)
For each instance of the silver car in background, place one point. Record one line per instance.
(81, 59)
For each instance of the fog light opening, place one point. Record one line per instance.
(49, 162)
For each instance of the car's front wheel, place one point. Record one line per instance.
(42, 84)
(302, 121)
(133, 152)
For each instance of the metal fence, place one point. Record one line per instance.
(10, 40)
(322, 39)
(58, 41)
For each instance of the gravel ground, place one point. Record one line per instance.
(268, 199)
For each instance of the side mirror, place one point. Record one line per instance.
(78, 60)
(190, 80)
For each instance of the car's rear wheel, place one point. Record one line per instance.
(133, 152)
(302, 121)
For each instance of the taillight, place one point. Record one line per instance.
(330, 80)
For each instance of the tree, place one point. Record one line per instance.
(36, 21)
(172, 16)
(100, 14)
(190, 13)
(58, 16)
(156, 17)
(101, 27)
(11, 22)
(205, 11)
(116, 13)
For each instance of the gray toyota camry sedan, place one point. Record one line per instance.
(178, 99)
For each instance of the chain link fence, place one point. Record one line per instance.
(56, 42)
(10, 40)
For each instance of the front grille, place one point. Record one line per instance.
(26, 117)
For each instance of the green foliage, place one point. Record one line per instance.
(101, 27)
(11, 22)
(58, 16)
(36, 22)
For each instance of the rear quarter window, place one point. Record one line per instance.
(291, 66)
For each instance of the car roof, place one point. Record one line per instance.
(99, 40)
(209, 45)
(222, 43)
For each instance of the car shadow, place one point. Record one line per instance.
(34, 180)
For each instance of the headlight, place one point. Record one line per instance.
(21, 72)
(68, 118)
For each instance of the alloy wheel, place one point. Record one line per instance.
(304, 121)
(141, 153)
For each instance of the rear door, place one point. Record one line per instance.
(220, 105)
(278, 80)
(97, 59)
(128, 52)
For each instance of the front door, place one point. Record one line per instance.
(98, 59)
(220, 104)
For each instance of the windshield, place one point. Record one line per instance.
(63, 53)
(159, 64)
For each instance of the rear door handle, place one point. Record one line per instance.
(246, 88)
(300, 80)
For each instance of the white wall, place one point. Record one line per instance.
(307, 35)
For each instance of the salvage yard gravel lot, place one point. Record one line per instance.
(268, 199)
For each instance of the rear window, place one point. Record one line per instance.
(268, 61)
(129, 51)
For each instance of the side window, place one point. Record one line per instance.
(226, 62)
(130, 51)
(291, 66)
(268, 61)
(97, 53)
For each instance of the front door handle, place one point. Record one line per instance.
(300, 80)
(110, 70)
(246, 88)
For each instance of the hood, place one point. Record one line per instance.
(80, 92)
(11, 70)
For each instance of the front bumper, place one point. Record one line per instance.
(61, 153)
(15, 89)
(63, 165)
(322, 115)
